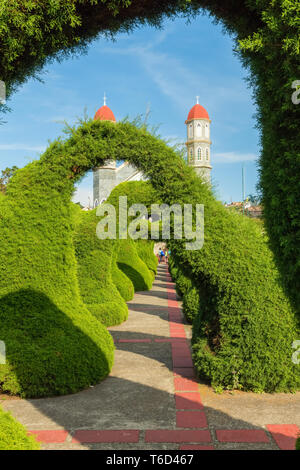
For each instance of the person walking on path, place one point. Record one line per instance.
(161, 254)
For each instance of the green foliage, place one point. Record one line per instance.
(145, 250)
(244, 334)
(131, 264)
(298, 444)
(110, 313)
(54, 344)
(135, 258)
(33, 33)
(141, 192)
(191, 304)
(186, 289)
(266, 38)
(121, 281)
(5, 177)
(13, 436)
(94, 258)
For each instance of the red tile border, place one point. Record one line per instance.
(188, 401)
(284, 435)
(181, 351)
(195, 447)
(242, 435)
(180, 435)
(135, 341)
(182, 361)
(187, 372)
(181, 355)
(191, 419)
(180, 346)
(184, 384)
(173, 341)
(175, 334)
(91, 436)
(55, 436)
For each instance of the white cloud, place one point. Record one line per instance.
(26, 147)
(82, 195)
(181, 83)
(172, 78)
(233, 157)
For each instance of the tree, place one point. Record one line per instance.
(254, 199)
(5, 177)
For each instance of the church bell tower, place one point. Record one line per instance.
(198, 141)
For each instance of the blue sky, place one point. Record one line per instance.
(166, 68)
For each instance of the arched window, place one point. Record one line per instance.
(191, 153)
(206, 130)
(199, 153)
(199, 130)
(206, 154)
(191, 130)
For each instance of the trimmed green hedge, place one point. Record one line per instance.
(244, 335)
(186, 289)
(95, 259)
(131, 264)
(54, 344)
(266, 37)
(13, 436)
(145, 249)
(298, 444)
(135, 257)
(122, 282)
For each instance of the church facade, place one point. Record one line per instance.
(109, 175)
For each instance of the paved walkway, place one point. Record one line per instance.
(151, 400)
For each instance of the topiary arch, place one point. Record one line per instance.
(56, 346)
(266, 36)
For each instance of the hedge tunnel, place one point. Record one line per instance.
(56, 346)
(265, 36)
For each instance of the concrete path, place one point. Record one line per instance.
(151, 400)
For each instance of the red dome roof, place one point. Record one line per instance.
(105, 114)
(197, 112)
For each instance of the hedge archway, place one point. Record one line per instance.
(56, 346)
(266, 36)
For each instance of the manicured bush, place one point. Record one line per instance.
(135, 257)
(95, 258)
(265, 35)
(191, 304)
(298, 444)
(110, 313)
(186, 289)
(131, 264)
(137, 192)
(145, 249)
(121, 281)
(54, 344)
(242, 338)
(183, 283)
(13, 436)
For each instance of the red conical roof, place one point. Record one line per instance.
(197, 112)
(105, 114)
